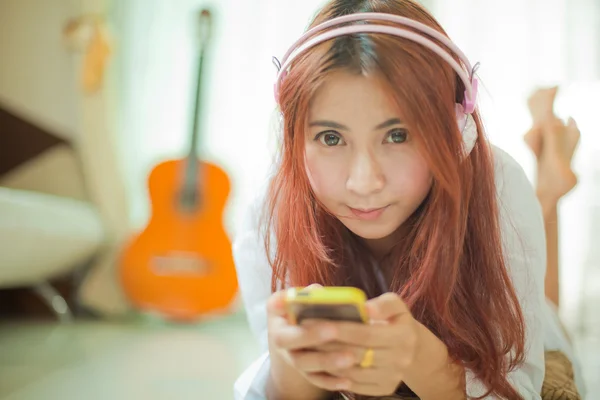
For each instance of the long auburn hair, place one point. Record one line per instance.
(450, 267)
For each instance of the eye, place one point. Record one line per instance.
(397, 136)
(330, 139)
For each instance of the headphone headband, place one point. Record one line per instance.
(302, 44)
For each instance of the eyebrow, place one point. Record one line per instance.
(335, 125)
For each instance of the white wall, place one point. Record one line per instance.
(36, 70)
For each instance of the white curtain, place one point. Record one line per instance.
(154, 71)
(158, 79)
(520, 43)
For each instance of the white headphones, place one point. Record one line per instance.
(464, 118)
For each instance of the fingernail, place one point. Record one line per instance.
(314, 286)
(572, 123)
(342, 386)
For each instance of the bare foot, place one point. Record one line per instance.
(555, 178)
(541, 104)
(553, 144)
(541, 108)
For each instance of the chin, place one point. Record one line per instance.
(370, 230)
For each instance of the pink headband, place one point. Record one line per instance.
(303, 44)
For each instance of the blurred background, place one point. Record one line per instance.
(94, 94)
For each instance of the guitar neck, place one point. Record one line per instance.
(190, 183)
(197, 110)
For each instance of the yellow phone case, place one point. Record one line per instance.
(330, 302)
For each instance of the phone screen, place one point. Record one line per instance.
(334, 312)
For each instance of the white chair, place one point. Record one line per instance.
(43, 237)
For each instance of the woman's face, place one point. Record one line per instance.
(361, 161)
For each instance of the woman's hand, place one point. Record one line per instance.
(393, 336)
(287, 381)
(328, 353)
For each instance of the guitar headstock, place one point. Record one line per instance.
(205, 26)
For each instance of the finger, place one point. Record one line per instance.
(383, 337)
(388, 307)
(331, 347)
(276, 304)
(362, 376)
(333, 383)
(363, 335)
(374, 390)
(381, 358)
(295, 337)
(328, 382)
(318, 361)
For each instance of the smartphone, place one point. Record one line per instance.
(336, 303)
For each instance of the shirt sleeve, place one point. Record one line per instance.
(524, 241)
(254, 277)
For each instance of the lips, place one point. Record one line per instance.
(368, 214)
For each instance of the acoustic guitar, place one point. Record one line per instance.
(181, 265)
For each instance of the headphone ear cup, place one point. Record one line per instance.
(461, 117)
(467, 127)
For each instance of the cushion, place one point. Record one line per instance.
(43, 236)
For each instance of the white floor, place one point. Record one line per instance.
(148, 360)
(129, 361)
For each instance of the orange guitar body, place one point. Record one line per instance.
(181, 265)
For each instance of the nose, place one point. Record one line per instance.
(366, 175)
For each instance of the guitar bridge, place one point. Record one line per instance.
(181, 264)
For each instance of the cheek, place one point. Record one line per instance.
(409, 179)
(325, 174)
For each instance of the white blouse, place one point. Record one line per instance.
(523, 235)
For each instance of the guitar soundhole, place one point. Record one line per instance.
(182, 264)
(188, 200)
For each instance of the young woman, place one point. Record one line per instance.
(386, 182)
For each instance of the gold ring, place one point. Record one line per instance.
(367, 360)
